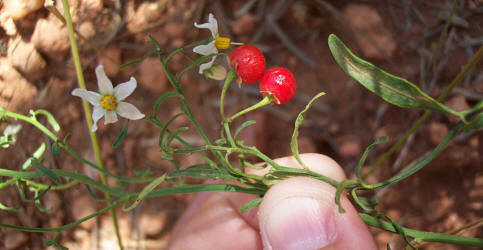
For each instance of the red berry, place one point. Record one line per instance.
(280, 83)
(248, 62)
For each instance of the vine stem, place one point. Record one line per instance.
(229, 78)
(87, 113)
(265, 101)
(476, 57)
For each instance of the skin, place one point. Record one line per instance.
(296, 213)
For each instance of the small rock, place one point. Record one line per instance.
(458, 103)
(92, 5)
(50, 36)
(151, 75)
(21, 93)
(372, 26)
(437, 131)
(174, 30)
(7, 24)
(152, 11)
(383, 238)
(15, 239)
(351, 148)
(18, 9)
(26, 59)
(81, 207)
(306, 145)
(87, 29)
(152, 224)
(246, 24)
(52, 202)
(111, 60)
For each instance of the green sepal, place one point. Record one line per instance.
(121, 136)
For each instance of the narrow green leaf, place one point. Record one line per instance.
(165, 128)
(36, 155)
(161, 99)
(300, 118)
(138, 60)
(55, 150)
(366, 153)
(121, 136)
(144, 173)
(174, 134)
(206, 174)
(242, 126)
(49, 173)
(146, 190)
(250, 205)
(50, 118)
(11, 209)
(392, 89)
(475, 124)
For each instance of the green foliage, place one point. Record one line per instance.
(392, 89)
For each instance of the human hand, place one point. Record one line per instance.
(296, 213)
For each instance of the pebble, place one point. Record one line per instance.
(246, 24)
(371, 26)
(87, 29)
(14, 239)
(111, 60)
(81, 207)
(151, 75)
(437, 131)
(26, 59)
(50, 36)
(351, 148)
(18, 9)
(458, 103)
(6, 22)
(152, 224)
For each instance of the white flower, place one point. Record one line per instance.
(209, 48)
(109, 101)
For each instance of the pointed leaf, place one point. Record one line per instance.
(146, 190)
(49, 173)
(121, 136)
(392, 89)
(243, 126)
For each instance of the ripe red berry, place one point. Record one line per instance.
(248, 62)
(280, 83)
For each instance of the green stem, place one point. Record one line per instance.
(420, 235)
(229, 78)
(226, 126)
(265, 101)
(423, 163)
(476, 57)
(87, 110)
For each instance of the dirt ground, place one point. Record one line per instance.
(37, 72)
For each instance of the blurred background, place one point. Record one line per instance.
(401, 37)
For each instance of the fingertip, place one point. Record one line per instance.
(300, 213)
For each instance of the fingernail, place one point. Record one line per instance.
(299, 223)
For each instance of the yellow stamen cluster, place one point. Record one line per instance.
(109, 102)
(222, 43)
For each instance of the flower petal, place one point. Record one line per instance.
(90, 96)
(97, 114)
(123, 90)
(212, 25)
(207, 65)
(129, 111)
(111, 117)
(206, 49)
(104, 84)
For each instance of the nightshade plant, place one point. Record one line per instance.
(228, 157)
